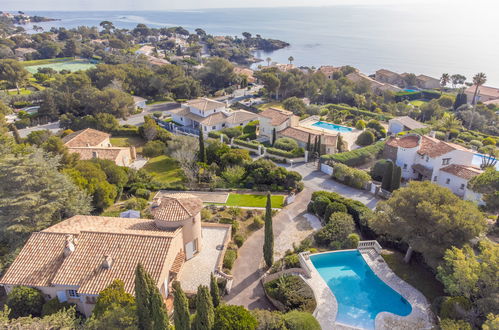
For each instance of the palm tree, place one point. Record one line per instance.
(449, 122)
(291, 59)
(478, 80)
(445, 79)
(268, 61)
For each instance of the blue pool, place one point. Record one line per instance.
(360, 294)
(410, 90)
(332, 127)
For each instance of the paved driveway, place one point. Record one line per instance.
(291, 225)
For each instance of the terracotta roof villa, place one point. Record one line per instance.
(90, 143)
(77, 258)
(210, 114)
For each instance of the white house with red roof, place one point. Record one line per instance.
(428, 158)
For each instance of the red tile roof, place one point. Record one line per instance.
(434, 147)
(407, 141)
(176, 207)
(276, 116)
(462, 171)
(85, 138)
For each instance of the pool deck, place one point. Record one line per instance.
(349, 137)
(327, 306)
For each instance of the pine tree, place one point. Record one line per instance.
(142, 299)
(202, 151)
(309, 142)
(15, 133)
(181, 315)
(397, 174)
(274, 136)
(268, 245)
(205, 314)
(214, 291)
(386, 183)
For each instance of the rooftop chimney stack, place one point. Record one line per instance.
(108, 262)
(69, 246)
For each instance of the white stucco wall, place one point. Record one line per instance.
(456, 184)
(405, 159)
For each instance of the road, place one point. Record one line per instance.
(291, 225)
(134, 120)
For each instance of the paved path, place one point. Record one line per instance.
(291, 225)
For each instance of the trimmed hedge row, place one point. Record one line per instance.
(216, 135)
(428, 95)
(357, 157)
(358, 112)
(126, 131)
(287, 154)
(350, 176)
(248, 144)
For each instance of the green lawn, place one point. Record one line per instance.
(244, 200)
(265, 106)
(22, 91)
(62, 64)
(46, 61)
(164, 169)
(417, 103)
(415, 274)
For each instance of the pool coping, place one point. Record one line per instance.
(327, 305)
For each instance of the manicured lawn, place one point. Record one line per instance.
(164, 169)
(244, 200)
(22, 91)
(128, 141)
(70, 65)
(265, 106)
(414, 274)
(46, 61)
(417, 103)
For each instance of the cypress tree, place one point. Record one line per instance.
(158, 311)
(181, 315)
(386, 183)
(339, 143)
(315, 144)
(205, 314)
(202, 150)
(15, 133)
(319, 145)
(214, 291)
(309, 143)
(142, 299)
(397, 174)
(274, 136)
(268, 245)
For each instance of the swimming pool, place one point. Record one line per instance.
(332, 127)
(360, 294)
(410, 90)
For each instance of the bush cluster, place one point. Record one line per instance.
(350, 176)
(292, 292)
(247, 144)
(357, 157)
(299, 152)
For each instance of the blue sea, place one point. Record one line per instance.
(424, 39)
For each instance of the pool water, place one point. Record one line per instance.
(332, 127)
(360, 294)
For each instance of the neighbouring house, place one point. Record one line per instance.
(427, 82)
(376, 86)
(22, 52)
(77, 258)
(404, 123)
(211, 115)
(286, 124)
(484, 94)
(388, 77)
(329, 71)
(140, 102)
(248, 73)
(427, 158)
(90, 143)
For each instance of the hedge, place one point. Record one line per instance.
(350, 176)
(126, 131)
(216, 135)
(358, 112)
(357, 157)
(287, 154)
(248, 144)
(428, 95)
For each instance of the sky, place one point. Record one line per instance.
(64, 5)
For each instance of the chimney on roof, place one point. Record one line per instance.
(432, 134)
(108, 262)
(69, 245)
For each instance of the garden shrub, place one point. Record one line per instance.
(365, 138)
(350, 176)
(292, 292)
(299, 152)
(360, 124)
(378, 170)
(25, 301)
(339, 226)
(232, 317)
(352, 241)
(440, 135)
(476, 143)
(448, 324)
(135, 203)
(239, 240)
(292, 261)
(320, 205)
(357, 157)
(247, 144)
(229, 258)
(286, 144)
(454, 307)
(334, 207)
(296, 320)
(53, 306)
(269, 320)
(124, 131)
(488, 141)
(232, 132)
(142, 193)
(258, 222)
(216, 135)
(154, 148)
